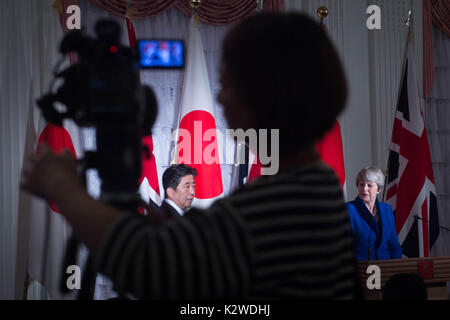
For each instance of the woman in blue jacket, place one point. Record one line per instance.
(373, 221)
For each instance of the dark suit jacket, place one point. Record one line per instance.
(382, 237)
(160, 214)
(169, 210)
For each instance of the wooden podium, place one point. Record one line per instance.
(435, 271)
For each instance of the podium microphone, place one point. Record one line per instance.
(427, 221)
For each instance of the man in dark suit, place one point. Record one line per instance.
(179, 186)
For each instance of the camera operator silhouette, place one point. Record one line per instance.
(284, 236)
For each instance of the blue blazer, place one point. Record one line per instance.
(382, 238)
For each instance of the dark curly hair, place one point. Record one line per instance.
(288, 73)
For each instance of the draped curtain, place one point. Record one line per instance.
(30, 32)
(143, 8)
(435, 12)
(219, 12)
(215, 12)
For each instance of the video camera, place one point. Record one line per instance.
(103, 90)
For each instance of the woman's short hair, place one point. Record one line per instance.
(372, 174)
(289, 75)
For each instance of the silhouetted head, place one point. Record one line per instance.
(405, 286)
(281, 71)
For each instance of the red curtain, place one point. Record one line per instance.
(215, 12)
(219, 12)
(437, 12)
(274, 5)
(143, 8)
(440, 11)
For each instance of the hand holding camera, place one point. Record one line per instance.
(49, 175)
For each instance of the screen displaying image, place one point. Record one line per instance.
(161, 53)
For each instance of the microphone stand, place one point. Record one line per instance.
(433, 224)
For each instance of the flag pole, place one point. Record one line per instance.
(408, 22)
(195, 4)
(322, 12)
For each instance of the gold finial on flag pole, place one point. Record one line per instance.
(322, 12)
(194, 5)
(130, 13)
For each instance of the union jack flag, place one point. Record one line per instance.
(410, 185)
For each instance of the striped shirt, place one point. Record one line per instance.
(284, 236)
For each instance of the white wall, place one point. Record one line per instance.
(356, 120)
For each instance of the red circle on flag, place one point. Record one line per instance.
(57, 138)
